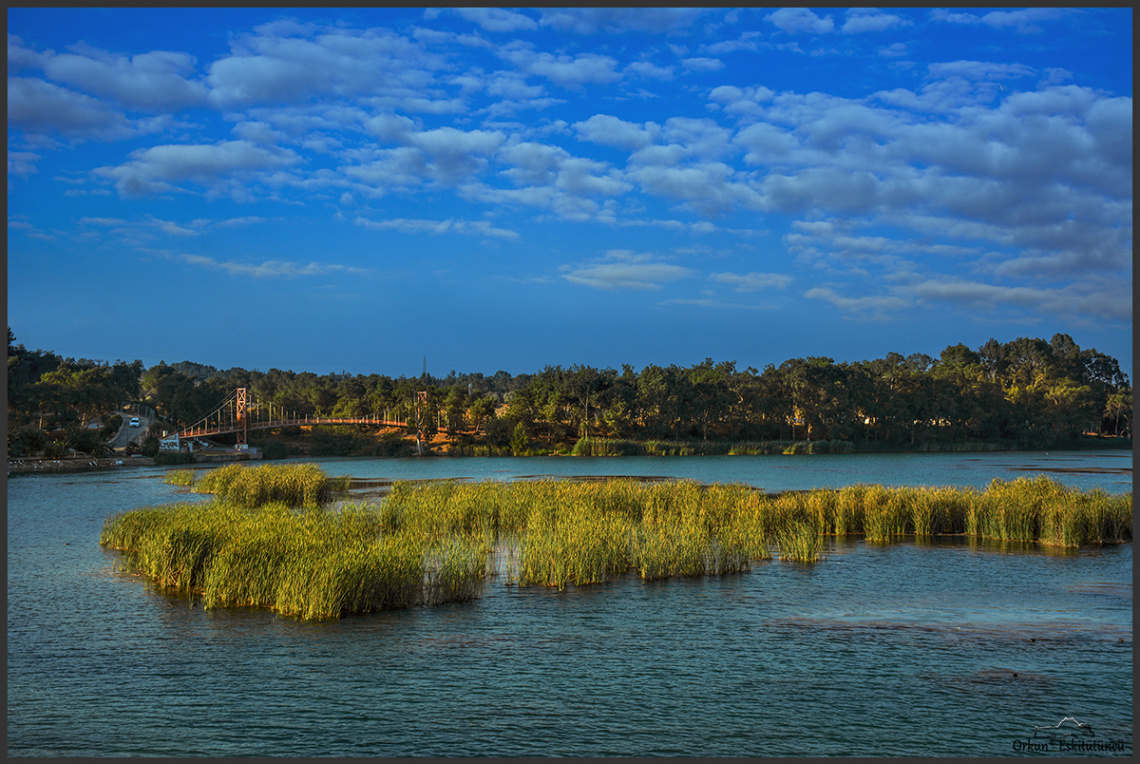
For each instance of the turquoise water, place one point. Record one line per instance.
(1080, 469)
(939, 649)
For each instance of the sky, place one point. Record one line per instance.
(364, 190)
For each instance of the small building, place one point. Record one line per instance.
(172, 443)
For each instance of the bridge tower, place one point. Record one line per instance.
(241, 407)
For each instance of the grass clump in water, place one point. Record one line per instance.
(266, 540)
(180, 477)
(298, 485)
(312, 563)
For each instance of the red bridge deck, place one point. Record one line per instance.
(239, 426)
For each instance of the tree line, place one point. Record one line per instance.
(1028, 393)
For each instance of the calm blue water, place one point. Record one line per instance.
(931, 650)
(1079, 469)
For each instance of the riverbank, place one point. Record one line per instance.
(603, 447)
(23, 466)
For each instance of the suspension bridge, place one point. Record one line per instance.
(243, 411)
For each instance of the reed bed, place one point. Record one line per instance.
(433, 542)
(312, 563)
(180, 477)
(298, 485)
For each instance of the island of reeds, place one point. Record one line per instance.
(276, 536)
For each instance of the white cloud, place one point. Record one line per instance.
(742, 101)
(979, 70)
(871, 306)
(268, 268)
(42, 107)
(22, 162)
(156, 169)
(498, 19)
(258, 132)
(861, 20)
(795, 20)
(151, 81)
(608, 130)
(455, 154)
(1089, 300)
(753, 282)
(553, 177)
(285, 66)
(702, 64)
(570, 71)
(651, 71)
(1023, 20)
(22, 57)
(623, 269)
(390, 169)
(438, 227)
(618, 20)
(701, 138)
(450, 141)
(746, 41)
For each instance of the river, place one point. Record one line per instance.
(944, 649)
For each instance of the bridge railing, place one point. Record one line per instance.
(219, 429)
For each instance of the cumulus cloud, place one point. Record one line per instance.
(159, 168)
(551, 177)
(736, 101)
(390, 169)
(23, 57)
(564, 205)
(979, 70)
(705, 187)
(618, 20)
(446, 154)
(258, 132)
(795, 20)
(567, 71)
(608, 130)
(623, 269)
(701, 138)
(154, 81)
(455, 154)
(498, 19)
(746, 41)
(292, 65)
(1023, 20)
(1078, 300)
(43, 107)
(871, 20)
(651, 71)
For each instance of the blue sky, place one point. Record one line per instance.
(355, 189)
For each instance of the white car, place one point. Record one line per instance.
(134, 421)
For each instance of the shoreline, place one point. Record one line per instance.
(34, 466)
(39, 466)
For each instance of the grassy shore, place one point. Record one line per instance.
(270, 537)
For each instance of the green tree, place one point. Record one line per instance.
(520, 443)
(481, 409)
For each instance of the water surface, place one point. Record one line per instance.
(950, 648)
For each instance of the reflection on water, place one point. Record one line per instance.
(941, 647)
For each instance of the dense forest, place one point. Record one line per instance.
(1027, 393)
